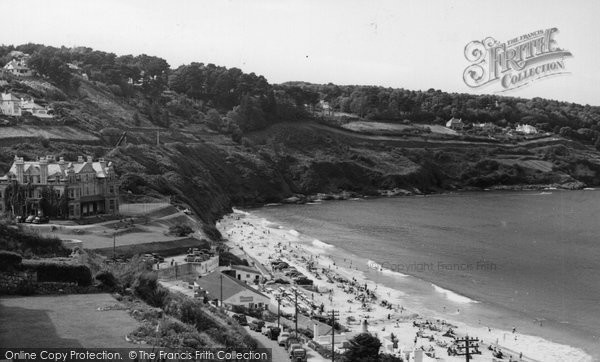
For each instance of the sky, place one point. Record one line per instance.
(401, 44)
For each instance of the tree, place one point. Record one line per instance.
(213, 119)
(363, 347)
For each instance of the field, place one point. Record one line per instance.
(64, 133)
(64, 321)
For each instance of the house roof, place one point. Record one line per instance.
(246, 269)
(8, 97)
(61, 170)
(231, 286)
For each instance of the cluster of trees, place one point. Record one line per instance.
(50, 204)
(379, 103)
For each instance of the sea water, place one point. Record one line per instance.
(525, 260)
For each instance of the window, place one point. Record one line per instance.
(111, 205)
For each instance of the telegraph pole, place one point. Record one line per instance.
(278, 310)
(296, 311)
(221, 277)
(467, 347)
(114, 246)
(334, 316)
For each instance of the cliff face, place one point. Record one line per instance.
(206, 170)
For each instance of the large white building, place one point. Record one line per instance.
(233, 291)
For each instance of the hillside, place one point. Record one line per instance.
(239, 141)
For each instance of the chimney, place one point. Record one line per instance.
(102, 162)
(50, 158)
(61, 161)
(315, 332)
(20, 166)
(44, 170)
(79, 158)
(89, 159)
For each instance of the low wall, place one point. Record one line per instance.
(11, 282)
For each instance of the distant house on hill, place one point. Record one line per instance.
(526, 129)
(18, 67)
(11, 105)
(455, 123)
(488, 126)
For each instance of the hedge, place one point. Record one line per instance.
(61, 272)
(8, 259)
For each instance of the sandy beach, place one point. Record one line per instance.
(342, 286)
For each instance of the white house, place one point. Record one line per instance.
(234, 292)
(13, 106)
(10, 105)
(455, 123)
(18, 67)
(526, 129)
(246, 274)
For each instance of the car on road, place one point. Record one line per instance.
(282, 338)
(241, 319)
(292, 340)
(20, 219)
(30, 219)
(257, 325)
(41, 220)
(298, 355)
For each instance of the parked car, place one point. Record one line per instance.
(257, 325)
(41, 220)
(241, 319)
(159, 258)
(298, 355)
(30, 219)
(282, 338)
(292, 340)
(20, 219)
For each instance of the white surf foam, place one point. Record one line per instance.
(293, 232)
(450, 295)
(319, 244)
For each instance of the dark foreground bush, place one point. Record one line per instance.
(9, 260)
(146, 287)
(61, 272)
(108, 280)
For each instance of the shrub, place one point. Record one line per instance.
(108, 280)
(146, 287)
(212, 232)
(180, 230)
(9, 260)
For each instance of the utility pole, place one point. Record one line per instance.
(221, 277)
(467, 347)
(278, 310)
(296, 311)
(334, 316)
(114, 246)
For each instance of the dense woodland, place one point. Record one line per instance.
(234, 102)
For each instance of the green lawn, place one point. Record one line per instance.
(64, 321)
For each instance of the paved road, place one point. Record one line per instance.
(279, 353)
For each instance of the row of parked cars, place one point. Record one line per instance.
(32, 219)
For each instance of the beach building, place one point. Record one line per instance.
(247, 274)
(526, 129)
(234, 291)
(90, 188)
(455, 123)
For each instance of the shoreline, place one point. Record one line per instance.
(259, 237)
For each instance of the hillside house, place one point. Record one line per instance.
(91, 187)
(11, 105)
(526, 129)
(455, 123)
(18, 67)
(234, 291)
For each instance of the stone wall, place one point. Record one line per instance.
(11, 281)
(25, 283)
